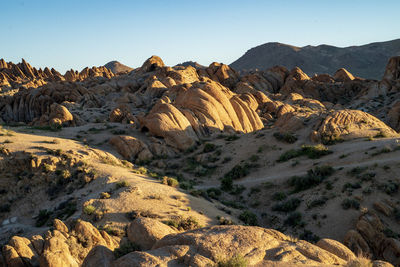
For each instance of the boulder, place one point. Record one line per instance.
(342, 75)
(151, 64)
(145, 232)
(336, 248)
(131, 148)
(99, 256)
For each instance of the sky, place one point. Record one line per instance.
(79, 33)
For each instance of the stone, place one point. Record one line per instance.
(145, 232)
(336, 248)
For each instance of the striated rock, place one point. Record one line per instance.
(56, 252)
(11, 257)
(383, 208)
(145, 232)
(223, 74)
(348, 124)
(166, 121)
(131, 148)
(336, 248)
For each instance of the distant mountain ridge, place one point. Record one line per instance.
(117, 67)
(366, 61)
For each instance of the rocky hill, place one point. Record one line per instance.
(199, 166)
(117, 67)
(366, 61)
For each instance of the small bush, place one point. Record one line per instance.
(238, 171)
(42, 218)
(226, 184)
(208, 147)
(288, 205)
(294, 219)
(105, 195)
(170, 181)
(279, 196)
(318, 202)
(231, 138)
(185, 224)
(121, 184)
(89, 209)
(309, 236)
(350, 204)
(285, 137)
(125, 249)
(313, 178)
(224, 221)
(312, 152)
(248, 218)
(235, 261)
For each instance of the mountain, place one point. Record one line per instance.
(191, 63)
(117, 67)
(366, 61)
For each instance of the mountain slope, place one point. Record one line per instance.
(116, 67)
(366, 61)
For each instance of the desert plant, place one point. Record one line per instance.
(235, 261)
(185, 224)
(313, 178)
(279, 196)
(294, 219)
(312, 152)
(350, 204)
(42, 218)
(248, 218)
(170, 181)
(121, 184)
(125, 248)
(89, 209)
(209, 147)
(285, 137)
(288, 205)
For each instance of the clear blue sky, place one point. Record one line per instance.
(74, 34)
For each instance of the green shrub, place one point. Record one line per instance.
(238, 171)
(288, 205)
(389, 188)
(309, 236)
(214, 192)
(248, 218)
(208, 147)
(285, 137)
(350, 204)
(170, 181)
(42, 218)
(313, 178)
(125, 249)
(231, 138)
(226, 184)
(312, 152)
(318, 202)
(121, 184)
(89, 209)
(294, 219)
(185, 224)
(235, 261)
(279, 196)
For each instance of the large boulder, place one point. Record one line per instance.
(145, 232)
(131, 148)
(337, 248)
(347, 124)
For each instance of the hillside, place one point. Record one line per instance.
(365, 61)
(198, 166)
(117, 67)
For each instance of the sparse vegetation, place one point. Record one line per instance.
(126, 248)
(288, 205)
(248, 218)
(235, 261)
(185, 224)
(121, 184)
(285, 137)
(312, 152)
(350, 204)
(89, 209)
(313, 178)
(170, 181)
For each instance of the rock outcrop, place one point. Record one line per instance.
(368, 239)
(346, 124)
